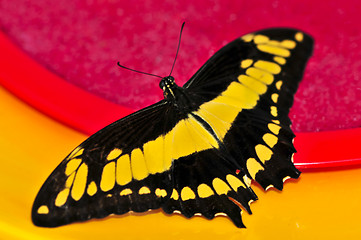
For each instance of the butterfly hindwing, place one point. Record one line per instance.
(198, 153)
(204, 184)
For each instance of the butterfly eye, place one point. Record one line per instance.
(162, 83)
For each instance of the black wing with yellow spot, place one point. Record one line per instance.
(196, 153)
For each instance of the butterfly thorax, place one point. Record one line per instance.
(175, 94)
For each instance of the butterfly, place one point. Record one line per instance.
(197, 151)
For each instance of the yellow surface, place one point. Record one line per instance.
(321, 205)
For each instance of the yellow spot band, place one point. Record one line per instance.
(160, 192)
(72, 165)
(220, 186)
(270, 139)
(43, 209)
(246, 63)
(299, 37)
(234, 182)
(92, 188)
(264, 153)
(144, 190)
(108, 177)
(271, 67)
(62, 197)
(139, 168)
(79, 182)
(123, 171)
(204, 191)
(115, 153)
(174, 195)
(125, 192)
(282, 52)
(187, 194)
(253, 167)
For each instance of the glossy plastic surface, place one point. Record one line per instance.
(320, 205)
(88, 113)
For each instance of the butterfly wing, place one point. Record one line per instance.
(245, 92)
(116, 170)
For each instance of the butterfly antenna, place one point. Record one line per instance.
(176, 55)
(150, 74)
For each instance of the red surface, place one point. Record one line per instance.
(82, 41)
(52, 95)
(90, 113)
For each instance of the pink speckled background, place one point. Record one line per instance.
(82, 41)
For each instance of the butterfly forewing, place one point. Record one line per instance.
(196, 159)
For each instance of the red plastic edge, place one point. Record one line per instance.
(88, 113)
(52, 95)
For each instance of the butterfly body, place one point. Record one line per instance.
(197, 150)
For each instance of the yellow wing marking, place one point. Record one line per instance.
(271, 67)
(108, 177)
(219, 126)
(115, 153)
(280, 60)
(247, 180)
(246, 63)
(299, 36)
(79, 182)
(183, 143)
(202, 138)
(168, 145)
(139, 168)
(76, 153)
(270, 139)
(92, 188)
(220, 186)
(274, 97)
(43, 209)
(175, 195)
(253, 167)
(274, 47)
(234, 182)
(72, 165)
(260, 75)
(160, 192)
(279, 85)
(61, 198)
(125, 192)
(264, 153)
(123, 170)
(204, 191)
(144, 190)
(290, 44)
(274, 111)
(260, 39)
(69, 181)
(257, 86)
(247, 37)
(187, 194)
(278, 51)
(275, 129)
(154, 155)
(247, 99)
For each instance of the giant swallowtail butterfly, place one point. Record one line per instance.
(197, 150)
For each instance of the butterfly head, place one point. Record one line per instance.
(167, 84)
